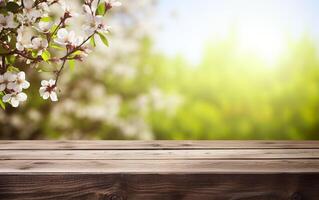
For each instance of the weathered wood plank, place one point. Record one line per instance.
(160, 166)
(159, 187)
(130, 145)
(170, 170)
(226, 154)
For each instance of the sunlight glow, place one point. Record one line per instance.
(261, 27)
(266, 42)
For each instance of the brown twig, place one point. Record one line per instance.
(65, 58)
(59, 72)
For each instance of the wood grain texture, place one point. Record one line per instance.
(160, 187)
(120, 170)
(225, 154)
(160, 166)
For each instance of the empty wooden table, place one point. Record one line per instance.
(118, 170)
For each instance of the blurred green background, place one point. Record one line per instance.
(187, 70)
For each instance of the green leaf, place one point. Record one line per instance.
(57, 47)
(3, 105)
(72, 65)
(92, 41)
(78, 52)
(101, 9)
(53, 27)
(12, 41)
(104, 39)
(13, 69)
(11, 59)
(34, 54)
(46, 55)
(13, 7)
(46, 19)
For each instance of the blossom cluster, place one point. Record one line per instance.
(13, 84)
(29, 32)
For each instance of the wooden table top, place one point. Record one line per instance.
(159, 157)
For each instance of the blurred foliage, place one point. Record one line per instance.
(240, 97)
(132, 92)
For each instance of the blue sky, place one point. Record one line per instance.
(262, 25)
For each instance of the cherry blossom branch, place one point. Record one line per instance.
(59, 72)
(35, 48)
(62, 21)
(78, 47)
(65, 58)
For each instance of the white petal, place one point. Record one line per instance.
(78, 41)
(88, 30)
(2, 18)
(21, 75)
(45, 26)
(6, 98)
(46, 95)
(116, 4)
(12, 86)
(87, 9)
(22, 96)
(25, 85)
(2, 87)
(71, 36)
(44, 43)
(60, 41)
(36, 43)
(62, 33)
(14, 102)
(44, 83)
(42, 90)
(51, 82)
(10, 21)
(53, 96)
(28, 3)
(19, 46)
(10, 76)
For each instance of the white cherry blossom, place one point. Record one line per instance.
(88, 10)
(95, 23)
(14, 98)
(43, 7)
(112, 3)
(67, 8)
(5, 79)
(64, 37)
(39, 44)
(48, 89)
(43, 27)
(30, 14)
(19, 83)
(28, 4)
(25, 35)
(7, 21)
(31, 28)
